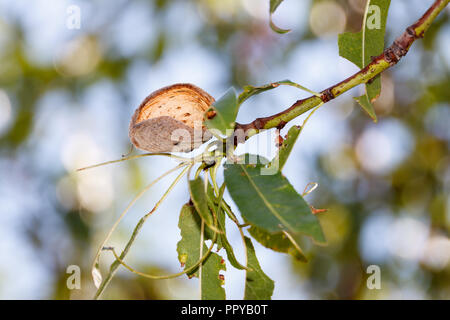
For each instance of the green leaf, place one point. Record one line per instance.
(188, 249)
(278, 242)
(225, 112)
(252, 90)
(200, 200)
(270, 202)
(258, 286)
(360, 47)
(273, 7)
(222, 241)
(286, 147)
(212, 205)
(212, 284)
(367, 106)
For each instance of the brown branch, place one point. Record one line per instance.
(390, 57)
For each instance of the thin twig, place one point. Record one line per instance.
(138, 156)
(95, 265)
(169, 276)
(116, 264)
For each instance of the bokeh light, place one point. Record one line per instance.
(327, 18)
(67, 95)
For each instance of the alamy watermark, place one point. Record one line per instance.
(74, 280)
(373, 17)
(226, 144)
(374, 280)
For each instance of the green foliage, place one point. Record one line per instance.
(222, 241)
(30, 82)
(360, 47)
(221, 116)
(192, 247)
(273, 6)
(270, 202)
(197, 191)
(252, 90)
(258, 286)
(225, 109)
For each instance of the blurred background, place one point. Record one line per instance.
(67, 95)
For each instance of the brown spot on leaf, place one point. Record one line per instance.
(210, 114)
(279, 141)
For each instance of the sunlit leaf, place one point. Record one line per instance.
(270, 202)
(258, 286)
(222, 114)
(96, 276)
(360, 47)
(191, 247)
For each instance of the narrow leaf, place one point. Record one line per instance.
(212, 281)
(212, 202)
(273, 7)
(200, 200)
(367, 106)
(360, 47)
(270, 202)
(188, 247)
(189, 252)
(258, 286)
(252, 90)
(285, 149)
(222, 114)
(97, 276)
(222, 241)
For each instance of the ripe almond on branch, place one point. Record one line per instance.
(171, 119)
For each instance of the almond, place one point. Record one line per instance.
(171, 119)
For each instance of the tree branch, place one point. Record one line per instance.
(390, 57)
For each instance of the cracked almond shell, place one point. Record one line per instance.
(155, 124)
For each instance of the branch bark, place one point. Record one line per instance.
(390, 57)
